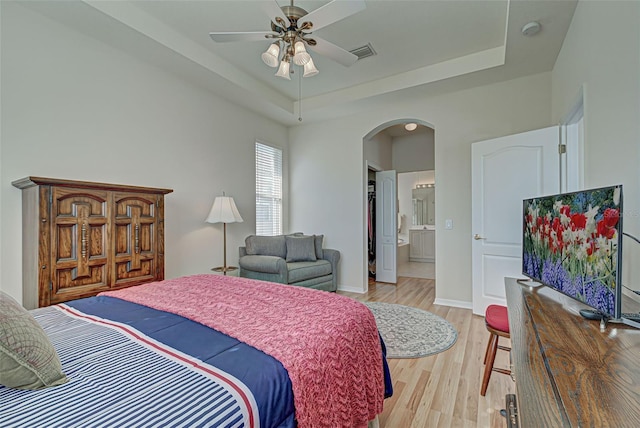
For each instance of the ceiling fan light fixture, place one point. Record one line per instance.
(411, 126)
(310, 69)
(283, 70)
(300, 56)
(291, 31)
(270, 56)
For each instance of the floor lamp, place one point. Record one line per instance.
(224, 211)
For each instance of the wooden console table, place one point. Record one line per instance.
(568, 372)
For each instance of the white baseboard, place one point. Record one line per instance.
(350, 289)
(454, 303)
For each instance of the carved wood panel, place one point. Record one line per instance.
(79, 249)
(81, 238)
(135, 238)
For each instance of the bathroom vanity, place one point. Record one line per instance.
(422, 244)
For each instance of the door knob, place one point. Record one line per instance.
(478, 237)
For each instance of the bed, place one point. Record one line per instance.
(208, 350)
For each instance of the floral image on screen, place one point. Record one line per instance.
(570, 243)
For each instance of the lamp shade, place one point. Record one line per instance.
(270, 57)
(310, 69)
(300, 57)
(283, 71)
(224, 211)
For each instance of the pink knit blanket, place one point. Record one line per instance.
(328, 343)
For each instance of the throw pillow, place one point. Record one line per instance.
(319, 253)
(28, 360)
(318, 242)
(266, 245)
(300, 249)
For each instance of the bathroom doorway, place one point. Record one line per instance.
(416, 224)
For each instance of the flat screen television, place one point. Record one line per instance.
(572, 242)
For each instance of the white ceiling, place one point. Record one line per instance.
(423, 46)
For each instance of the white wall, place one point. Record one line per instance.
(414, 152)
(601, 54)
(378, 151)
(329, 188)
(75, 108)
(405, 206)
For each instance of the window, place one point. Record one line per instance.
(268, 190)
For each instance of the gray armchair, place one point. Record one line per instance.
(290, 259)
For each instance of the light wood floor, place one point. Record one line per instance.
(441, 390)
(417, 270)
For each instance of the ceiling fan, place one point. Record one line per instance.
(291, 30)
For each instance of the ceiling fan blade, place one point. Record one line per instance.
(332, 12)
(246, 36)
(333, 52)
(272, 9)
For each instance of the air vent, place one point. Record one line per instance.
(363, 51)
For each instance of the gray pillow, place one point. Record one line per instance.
(28, 360)
(266, 246)
(318, 242)
(300, 248)
(319, 253)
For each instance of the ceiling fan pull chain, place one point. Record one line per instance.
(299, 94)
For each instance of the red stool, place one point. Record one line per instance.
(497, 322)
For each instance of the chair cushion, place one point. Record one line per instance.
(266, 245)
(300, 248)
(28, 360)
(300, 271)
(265, 264)
(497, 317)
(320, 283)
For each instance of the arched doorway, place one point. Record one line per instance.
(392, 147)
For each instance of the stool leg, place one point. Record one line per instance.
(486, 352)
(489, 360)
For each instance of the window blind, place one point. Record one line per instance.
(268, 190)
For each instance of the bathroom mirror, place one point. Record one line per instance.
(423, 206)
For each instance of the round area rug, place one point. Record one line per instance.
(410, 332)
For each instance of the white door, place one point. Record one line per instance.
(504, 171)
(386, 226)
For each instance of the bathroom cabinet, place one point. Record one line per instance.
(422, 245)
